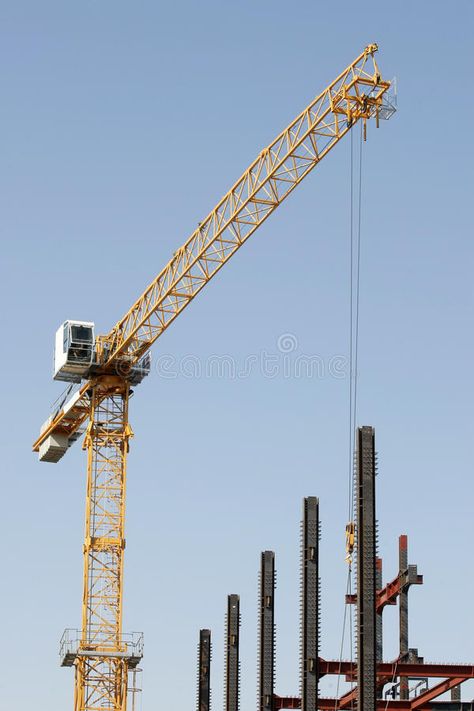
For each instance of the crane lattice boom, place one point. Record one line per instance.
(357, 93)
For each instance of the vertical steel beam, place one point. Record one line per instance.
(232, 654)
(379, 619)
(310, 604)
(403, 612)
(204, 671)
(266, 632)
(456, 693)
(366, 546)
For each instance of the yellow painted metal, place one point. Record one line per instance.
(356, 94)
(101, 664)
(67, 422)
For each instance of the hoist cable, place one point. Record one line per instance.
(355, 332)
(355, 329)
(354, 308)
(341, 649)
(351, 320)
(357, 298)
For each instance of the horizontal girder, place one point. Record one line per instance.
(396, 669)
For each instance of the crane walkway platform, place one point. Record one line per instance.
(72, 646)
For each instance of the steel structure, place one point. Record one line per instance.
(120, 358)
(310, 604)
(204, 671)
(390, 592)
(232, 664)
(378, 685)
(266, 658)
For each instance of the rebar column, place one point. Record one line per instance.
(232, 654)
(204, 671)
(266, 632)
(366, 548)
(310, 604)
(403, 612)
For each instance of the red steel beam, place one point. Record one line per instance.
(419, 703)
(287, 702)
(397, 669)
(349, 699)
(388, 594)
(330, 704)
(430, 694)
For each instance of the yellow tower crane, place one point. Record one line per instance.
(102, 369)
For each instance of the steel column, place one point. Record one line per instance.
(232, 654)
(310, 604)
(456, 693)
(366, 546)
(403, 612)
(267, 632)
(204, 671)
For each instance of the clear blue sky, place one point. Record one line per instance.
(123, 123)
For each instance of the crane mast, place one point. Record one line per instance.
(101, 654)
(101, 681)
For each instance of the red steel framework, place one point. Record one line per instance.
(450, 675)
(408, 665)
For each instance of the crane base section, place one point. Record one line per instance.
(130, 649)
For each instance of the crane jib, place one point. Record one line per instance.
(356, 94)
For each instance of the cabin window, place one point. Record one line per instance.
(81, 333)
(65, 337)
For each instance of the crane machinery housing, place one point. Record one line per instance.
(101, 369)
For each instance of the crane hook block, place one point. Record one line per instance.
(350, 541)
